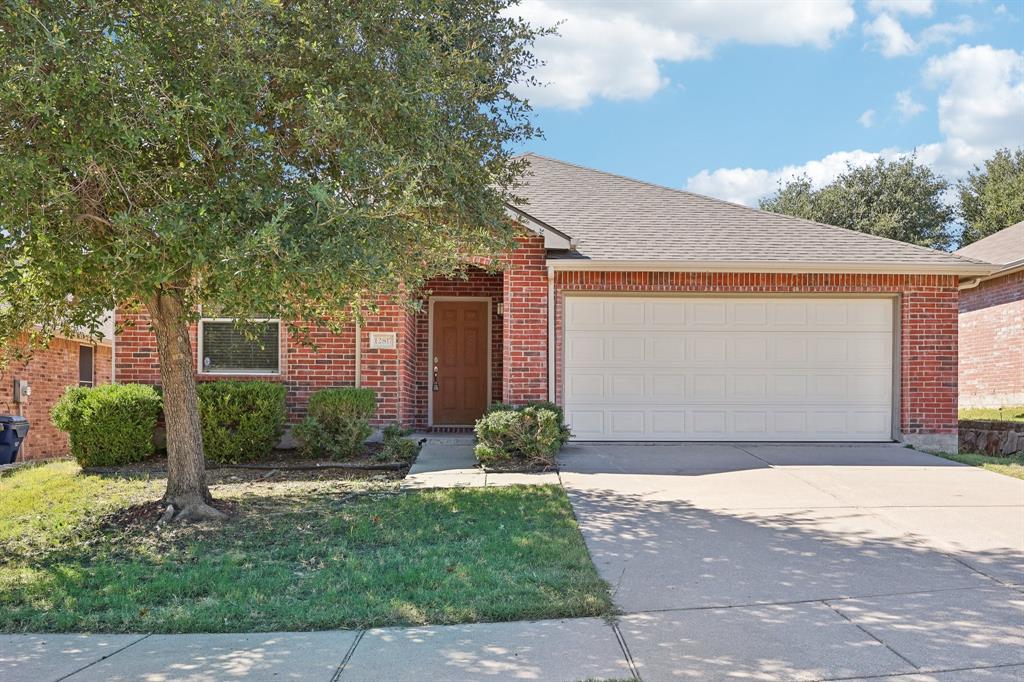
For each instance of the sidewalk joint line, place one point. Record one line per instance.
(625, 651)
(348, 656)
(105, 657)
(749, 605)
(927, 671)
(872, 635)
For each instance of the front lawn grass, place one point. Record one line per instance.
(1014, 413)
(1008, 466)
(76, 556)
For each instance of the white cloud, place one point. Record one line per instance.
(907, 106)
(867, 119)
(613, 50)
(981, 108)
(886, 34)
(921, 8)
(888, 37)
(747, 185)
(945, 32)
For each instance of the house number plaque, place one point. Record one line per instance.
(383, 340)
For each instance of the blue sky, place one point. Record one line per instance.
(726, 98)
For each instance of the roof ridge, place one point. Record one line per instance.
(732, 204)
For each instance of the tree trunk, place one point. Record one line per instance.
(186, 474)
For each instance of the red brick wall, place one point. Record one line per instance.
(525, 324)
(992, 343)
(928, 312)
(50, 371)
(326, 361)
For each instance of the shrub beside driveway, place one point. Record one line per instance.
(80, 553)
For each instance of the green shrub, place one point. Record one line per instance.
(532, 434)
(108, 425)
(397, 448)
(338, 422)
(242, 420)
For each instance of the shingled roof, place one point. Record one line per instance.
(614, 218)
(1004, 247)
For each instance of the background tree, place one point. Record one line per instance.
(992, 197)
(896, 199)
(300, 157)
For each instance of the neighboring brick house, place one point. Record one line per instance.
(992, 324)
(50, 371)
(649, 314)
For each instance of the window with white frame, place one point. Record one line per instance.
(227, 347)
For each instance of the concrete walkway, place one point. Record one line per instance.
(448, 462)
(577, 649)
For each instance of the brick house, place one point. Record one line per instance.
(649, 314)
(49, 371)
(992, 324)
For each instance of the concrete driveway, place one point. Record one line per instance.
(805, 561)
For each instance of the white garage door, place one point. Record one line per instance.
(694, 368)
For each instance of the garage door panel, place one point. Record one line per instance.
(668, 422)
(627, 387)
(668, 387)
(775, 369)
(628, 313)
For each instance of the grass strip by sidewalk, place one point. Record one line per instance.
(1008, 466)
(298, 555)
(1013, 413)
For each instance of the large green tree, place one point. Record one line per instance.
(992, 196)
(300, 156)
(899, 199)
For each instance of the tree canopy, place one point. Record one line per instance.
(992, 196)
(899, 199)
(299, 156)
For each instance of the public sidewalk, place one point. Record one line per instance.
(563, 650)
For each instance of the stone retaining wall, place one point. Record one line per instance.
(996, 438)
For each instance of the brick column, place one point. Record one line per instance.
(525, 324)
(929, 364)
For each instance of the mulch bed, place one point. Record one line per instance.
(518, 468)
(148, 513)
(282, 465)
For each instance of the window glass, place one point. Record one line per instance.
(85, 372)
(226, 348)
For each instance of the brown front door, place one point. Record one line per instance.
(459, 368)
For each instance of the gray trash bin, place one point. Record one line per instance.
(13, 430)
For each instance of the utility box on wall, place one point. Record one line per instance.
(22, 390)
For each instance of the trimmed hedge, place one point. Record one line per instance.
(532, 434)
(108, 425)
(338, 422)
(242, 420)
